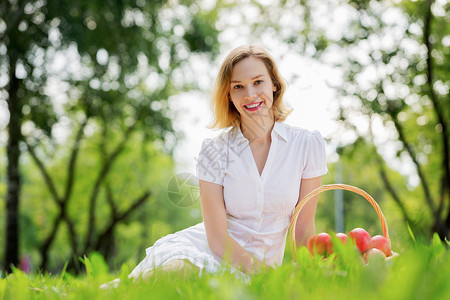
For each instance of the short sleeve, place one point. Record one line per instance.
(315, 163)
(209, 163)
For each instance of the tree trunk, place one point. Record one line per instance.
(440, 226)
(45, 248)
(106, 167)
(13, 173)
(105, 241)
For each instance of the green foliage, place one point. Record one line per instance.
(201, 37)
(95, 265)
(411, 234)
(394, 61)
(93, 81)
(111, 48)
(420, 272)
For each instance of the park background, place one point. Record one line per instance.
(103, 103)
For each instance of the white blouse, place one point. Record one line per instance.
(259, 208)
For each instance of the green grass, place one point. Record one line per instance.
(420, 272)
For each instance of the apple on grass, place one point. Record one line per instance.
(361, 239)
(381, 243)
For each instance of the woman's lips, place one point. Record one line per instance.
(252, 106)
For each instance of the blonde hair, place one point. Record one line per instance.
(225, 114)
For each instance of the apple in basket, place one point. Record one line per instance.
(361, 239)
(381, 243)
(373, 253)
(343, 237)
(320, 244)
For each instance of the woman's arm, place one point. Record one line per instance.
(305, 227)
(219, 241)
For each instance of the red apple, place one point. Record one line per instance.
(361, 238)
(343, 237)
(374, 252)
(381, 243)
(320, 244)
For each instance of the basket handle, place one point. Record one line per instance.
(329, 187)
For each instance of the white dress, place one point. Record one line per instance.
(259, 208)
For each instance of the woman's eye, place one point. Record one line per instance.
(236, 87)
(258, 81)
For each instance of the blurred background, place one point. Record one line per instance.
(103, 103)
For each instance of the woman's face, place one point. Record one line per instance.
(251, 89)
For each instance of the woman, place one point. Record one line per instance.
(250, 177)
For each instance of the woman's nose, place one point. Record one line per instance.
(250, 92)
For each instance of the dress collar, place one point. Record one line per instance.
(236, 137)
(280, 129)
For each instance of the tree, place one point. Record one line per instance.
(394, 60)
(404, 85)
(121, 60)
(140, 167)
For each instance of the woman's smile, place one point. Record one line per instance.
(253, 106)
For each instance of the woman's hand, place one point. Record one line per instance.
(215, 220)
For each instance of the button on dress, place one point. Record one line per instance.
(258, 207)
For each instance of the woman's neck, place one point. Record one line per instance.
(257, 129)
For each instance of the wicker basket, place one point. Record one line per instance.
(329, 187)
